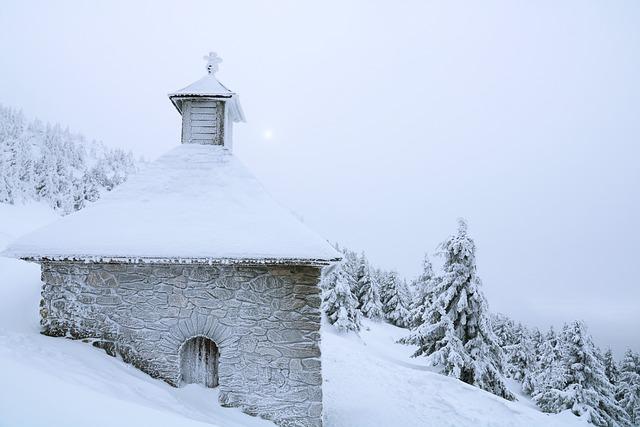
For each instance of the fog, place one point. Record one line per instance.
(380, 123)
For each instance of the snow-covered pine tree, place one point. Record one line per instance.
(549, 372)
(367, 291)
(338, 301)
(531, 374)
(610, 366)
(392, 300)
(457, 334)
(536, 339)
(582, 386)
(519, 348)
(350, 264)
(504, 329)
(422, 293)
(376, 277)
(521, 355)
(11, 129)
(628, 386)
(406, 296)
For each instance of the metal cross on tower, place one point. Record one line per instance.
(212, 62)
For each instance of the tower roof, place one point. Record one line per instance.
(195, 203)
(209, 87)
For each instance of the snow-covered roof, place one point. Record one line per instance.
(206, 86)
(209, 87)
(195, 203)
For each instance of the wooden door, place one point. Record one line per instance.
(199, 362)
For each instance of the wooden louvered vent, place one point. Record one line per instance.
(202, 122)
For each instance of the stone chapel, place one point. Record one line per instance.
(191, 272)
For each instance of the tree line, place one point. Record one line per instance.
(48, 163)
(449, 322)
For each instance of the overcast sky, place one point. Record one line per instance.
(389, 120)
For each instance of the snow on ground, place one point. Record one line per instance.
(369, 380)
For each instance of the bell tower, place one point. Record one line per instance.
(208, 109)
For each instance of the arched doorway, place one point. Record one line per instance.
(199, 362)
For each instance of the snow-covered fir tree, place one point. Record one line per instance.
(456, 334)
(503, 327)
(376, 277)
(520, 350)
(406, 297)
(338, 301)
(521, 355)
(422, 293)
(549, 371)
(610, 366)
(394, 299)
(628, 386)
(532, 371)
(536, 339)
(582, 385)
(350, 265)
(50, 164)
(367, 291)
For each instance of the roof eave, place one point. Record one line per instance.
(238, 113)
(312, 262)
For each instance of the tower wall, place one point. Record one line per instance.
(265, 321)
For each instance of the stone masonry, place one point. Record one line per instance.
(265, 321)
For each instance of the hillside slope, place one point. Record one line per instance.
(369, 380)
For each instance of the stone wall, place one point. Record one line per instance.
(264, 319)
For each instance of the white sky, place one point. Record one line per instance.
(380, 123)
